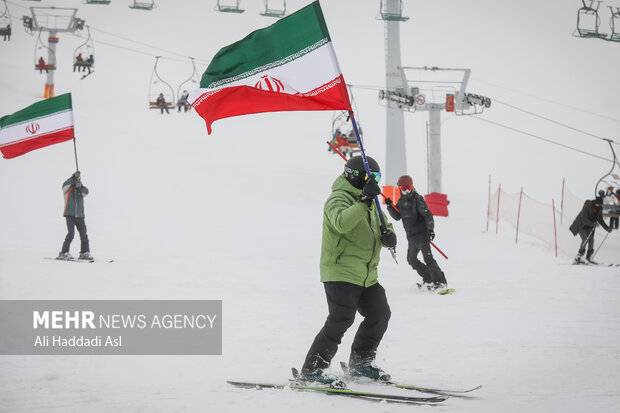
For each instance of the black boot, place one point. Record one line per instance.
(589, 256)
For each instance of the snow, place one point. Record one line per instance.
(236, 216)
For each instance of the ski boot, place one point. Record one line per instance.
(589, 257)
(437, 287)
(64, 256)
(309, 378)
(579, 258)
(86, 256)
(369, 371)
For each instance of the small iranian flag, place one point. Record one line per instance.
(42, 124)
(290, 65)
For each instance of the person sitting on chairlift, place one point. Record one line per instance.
(41, 65)
(6, 32)
(78, 62)
(183, 102)
(161, 103)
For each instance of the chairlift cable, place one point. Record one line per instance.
(554, 121)
(541, 138)
(547, 100)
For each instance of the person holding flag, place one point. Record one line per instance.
(352, 241)
(292, 66)
(74, 193)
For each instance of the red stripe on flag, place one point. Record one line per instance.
(244, 100)
(25, 146)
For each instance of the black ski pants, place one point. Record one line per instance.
(584, 233)
(72, 223)
(429, 270)
(343, 301)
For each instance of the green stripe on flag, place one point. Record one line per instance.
(302, 31)
(38, 110)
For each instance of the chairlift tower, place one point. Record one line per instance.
(448, 93)
(390, 11)
(52, 20)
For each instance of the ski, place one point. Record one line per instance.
(443, 291)
(70, 260)
(425, 389)
(597, 264)
(342, 392)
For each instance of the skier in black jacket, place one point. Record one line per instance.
(584, 225)
(419, 226)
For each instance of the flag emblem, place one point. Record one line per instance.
(269, 83)
(33, 128)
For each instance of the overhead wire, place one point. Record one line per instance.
(541, 138)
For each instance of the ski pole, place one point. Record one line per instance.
(377, 203)
(600, 245)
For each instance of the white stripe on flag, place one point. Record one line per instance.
(45, 125)
(301, 75)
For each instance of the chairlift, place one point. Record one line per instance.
(160, 86)
(104, 2)
(5, 22)
(603, 183)
(614, 21)
(229, 8)
(274, 12)
(342, 133)
(142, 5)
(84, 56)
(588, 20)
(192, 82)
(39, 61)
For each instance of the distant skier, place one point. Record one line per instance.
(74, 193)
(352, 241)
(161, 103)
(183, 102)
(6, 32)
(584, 224)
(419, 225)
(611, 201)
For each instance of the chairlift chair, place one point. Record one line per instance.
(157, 86)
(229, 8)
(603, 183)
(37, 56)
(104, 2)
(588, 20)
(87, 51)
(5, 21)
(614, 21)
(142, 5)
(192, 82)
(274, 12)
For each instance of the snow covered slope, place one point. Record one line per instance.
(237, 215)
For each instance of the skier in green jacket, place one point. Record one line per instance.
(352, 241)
(74, 193)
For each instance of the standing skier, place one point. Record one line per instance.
(352, 241)
(419, 226)
(584, 225)
(74, 193)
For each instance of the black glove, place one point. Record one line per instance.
(388, 202)
(609, 230)
(370, 191)
(388, 238)
(431, 235)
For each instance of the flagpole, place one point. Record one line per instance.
(377, 203)
(77, 168)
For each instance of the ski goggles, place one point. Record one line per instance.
(406, 187)
(375, 175)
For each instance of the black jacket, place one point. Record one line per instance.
(417, 218)
(586, 219)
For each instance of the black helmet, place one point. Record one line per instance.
(355, 172)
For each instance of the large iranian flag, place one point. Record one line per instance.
(42, 124)
(290, 65)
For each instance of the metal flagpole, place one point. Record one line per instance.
(77, 168)
(377, 203)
